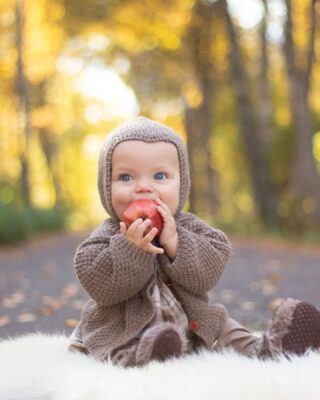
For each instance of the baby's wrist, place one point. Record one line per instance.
(171, 247)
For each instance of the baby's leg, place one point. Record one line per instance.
(237, 337)
(295, 328)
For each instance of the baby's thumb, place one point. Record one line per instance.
(123, 228)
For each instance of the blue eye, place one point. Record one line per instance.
(159, 176)
(125, 177)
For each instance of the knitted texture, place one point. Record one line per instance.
(118, 276)
(144, 129)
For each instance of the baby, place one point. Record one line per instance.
(148, 294)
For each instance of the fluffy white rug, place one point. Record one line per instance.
(39, 367)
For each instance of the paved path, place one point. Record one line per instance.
(38, 290)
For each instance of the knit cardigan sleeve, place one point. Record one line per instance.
(110, 268)
(202, 254)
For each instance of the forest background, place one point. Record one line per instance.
(239, 80)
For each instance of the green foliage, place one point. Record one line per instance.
(243, 226)
(253, 229)
(280, 155)
(18, 223)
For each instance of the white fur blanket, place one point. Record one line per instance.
(39, 367)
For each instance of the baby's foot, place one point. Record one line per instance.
(160, 342)
(294, 329)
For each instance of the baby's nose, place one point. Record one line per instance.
(143, 186)
(143, 189)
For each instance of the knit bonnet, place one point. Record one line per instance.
(149, 131)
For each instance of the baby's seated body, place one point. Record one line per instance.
(148, 294)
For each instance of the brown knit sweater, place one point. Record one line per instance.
(117, 276)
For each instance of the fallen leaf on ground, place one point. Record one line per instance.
(268, 289)
(27, 317)
(18, 297)
(8, 302)
(54, 304)
(4, 320)
(14, 299)
(274, 277)
(71, 323)
(227, 296)
(248, 305)
(78, 304)
(70, 290)
(46, 311)
(274, 305)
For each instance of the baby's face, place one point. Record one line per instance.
(144, 170)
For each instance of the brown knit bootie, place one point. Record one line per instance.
(295, 328)
(160, 342)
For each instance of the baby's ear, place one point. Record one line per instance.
(123, 228)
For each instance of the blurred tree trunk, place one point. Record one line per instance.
(48, 144)
(23, 112)
(266, 112)
(305, 181)
(198, 118)
(250, 129)
(49, 149)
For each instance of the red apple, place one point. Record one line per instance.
(145, 209)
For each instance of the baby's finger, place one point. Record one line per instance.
(123, 228)
(134, 226)
(165, 214)
(160, 202)
(154, 249)
(162, 211)
(142, 228)
(163, 206)
(148, 238)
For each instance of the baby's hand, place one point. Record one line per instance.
(136, 235)
(169, 236)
